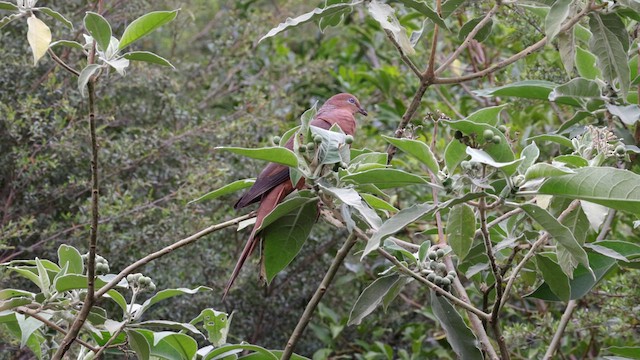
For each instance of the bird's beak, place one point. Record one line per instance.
(362, 111)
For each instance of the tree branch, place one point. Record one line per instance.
(317, 296)
(403, 56)
(555, 342)
(499, 65)
(166, 250)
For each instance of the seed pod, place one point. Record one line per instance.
(431, 277)
(452, 273)
(276, 140)
(441, 267)
(503, 129)
(432, 255)
(302, 148)
(488, 135)
(317, 139)
(348, 139)
(497, 139)
(311, 146)
(440, 253)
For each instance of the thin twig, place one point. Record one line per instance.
(166, 250)
(429, 73)
(501, 64)
(468, 39)
(564, 320)
(406, 117)
(317, 296)
(403, 56)
(403, 268)
(532, 251)
(112, 339)
(34, 314)
(62, 63)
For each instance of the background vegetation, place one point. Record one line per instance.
(157, 129)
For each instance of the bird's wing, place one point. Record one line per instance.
(272, 176)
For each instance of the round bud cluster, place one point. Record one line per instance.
(101, 264)
(141, 282)
(490, 137)
(436, 271)
(470, 165)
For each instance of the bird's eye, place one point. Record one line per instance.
(352, 100)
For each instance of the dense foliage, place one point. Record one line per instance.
(489, 202)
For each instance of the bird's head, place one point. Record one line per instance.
(346, 101)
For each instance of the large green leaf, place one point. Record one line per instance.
(629, 114)
(614, 188)
(139, 344)
(459, 336)
(417, 149)
(461, 227)
(499, 152)
(527, 89)
(5, 5)
(216, 323)
(285, 208)
(580, 90)
(529, 156)
(557, 15)
(384, 178)
(227, 189)
(99, 29)
(454, 153)
(489, 115)
(333, 148)
(544, 170)
(71, 256)
(560, 233)
(583, 280)
(587, 64)
(425, 9)
(371, 297)
(229, 350)
(609, 49)
(144, 25)
(149, 57)
(284, 238)
(553, 276)
(617, 249)
(279, 155)
(166, 294)
(313, 15)
(56, 15)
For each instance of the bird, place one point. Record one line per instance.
(274, 183)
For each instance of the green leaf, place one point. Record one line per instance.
(626, 251)
(567, 50)
(279, 155)
(377, 203)
(216, 323)
(614, 188)
(459, 336)
(144, 25)
(579, 90)
(56, 15)
(371, 297)
(553, 276)
(5, 5)
(72, 44)
(450, 6)
(71, 256)
(560, 233)
(225, 190)
(85, 76)
(586, 63)
(284, 238)
(489, 115)
(139, 344)
(629, 114)
(149, 57)
(425, 10)
(316, 14)
(99, 28)
(544, 170)
(238, 348)
(7, 19)
(528, 89)
(333, 148)
(11, 293)
(396, 223)
(482, 34)
(608, 49)
(285, 208)
(454, 153)
(29, 325)
(352, 198)
(484, 158)
(559, 139)
(499, 152)
(461, 228)
(558, 13)
(384, 15)
(166, 294)
(394, 291)
(166, 324)
(43, 276)
(529, 156)
(15, 302)
(583, 280)
(572, 160)
(384, 178)
(631, 352)
(417, 149)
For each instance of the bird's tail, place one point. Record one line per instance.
(248, 250)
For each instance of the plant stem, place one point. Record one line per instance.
(166, 250)
(403, 56)
(93, 237)
(564, 320)
(317, 296)
(34, 314)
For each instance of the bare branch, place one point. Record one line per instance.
(564, 320)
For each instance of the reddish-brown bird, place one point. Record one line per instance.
(274, 184)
